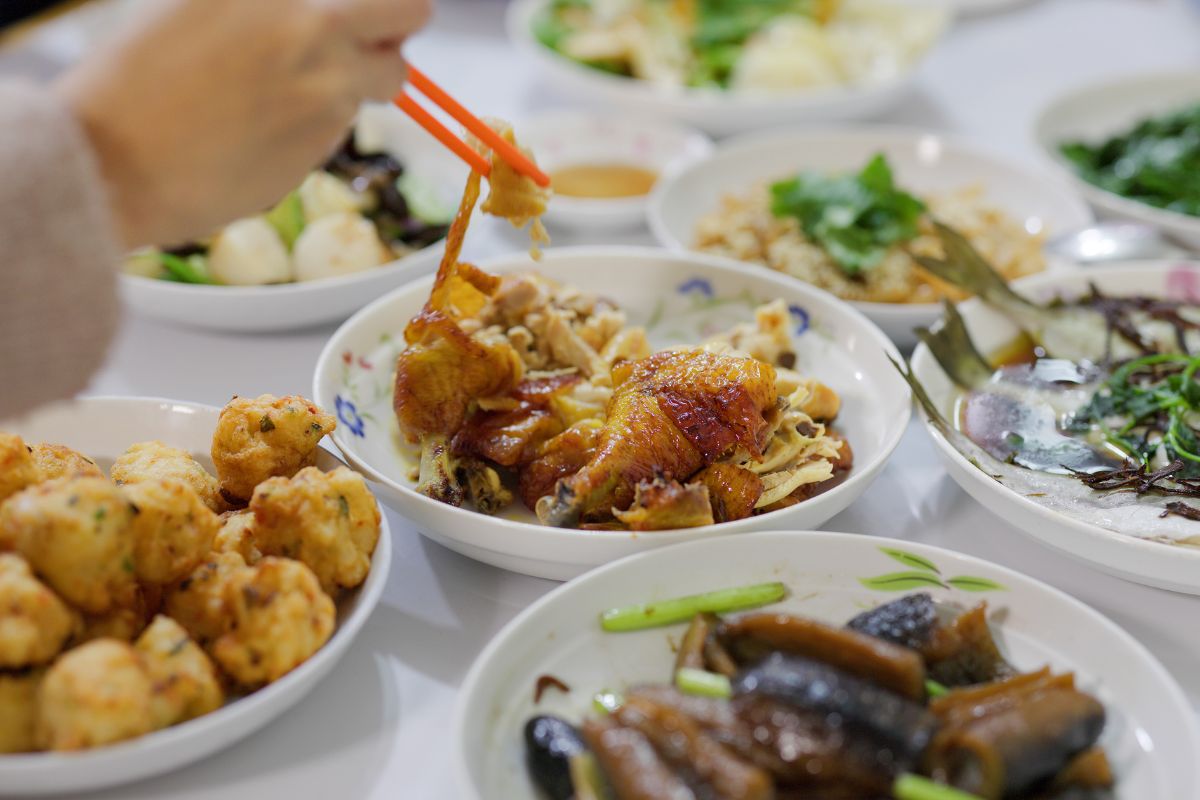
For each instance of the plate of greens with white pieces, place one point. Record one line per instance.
(831, 665)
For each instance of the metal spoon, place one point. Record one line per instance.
(1115, 241)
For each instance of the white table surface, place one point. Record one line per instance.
(379, 725)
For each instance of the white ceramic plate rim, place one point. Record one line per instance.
(922, 356)
(28, 765)
(509, 262)
(680, 554)
(736, 145)
(519, 21)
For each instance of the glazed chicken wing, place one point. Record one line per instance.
(670, 415)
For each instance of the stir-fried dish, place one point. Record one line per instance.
(856, 234)
(728, 44)
(911, 700)
(1154, 162)
(516, 386)
(360, 211)
(1094, 412)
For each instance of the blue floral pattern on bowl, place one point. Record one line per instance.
(347, 414)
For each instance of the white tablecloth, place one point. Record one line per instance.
(379, 725)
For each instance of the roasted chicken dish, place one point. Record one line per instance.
(516, 386)
(910, 700)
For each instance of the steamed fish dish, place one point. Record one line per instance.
(769, 45)
(911, 700)
(360, 211)
(517, 387)
(856, 235)
(1095, 412)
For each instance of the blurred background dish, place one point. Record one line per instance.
(745, 66)
(1137, 136)
(603, 166)
(1006, 208)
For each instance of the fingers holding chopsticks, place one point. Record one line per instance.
(376, 30)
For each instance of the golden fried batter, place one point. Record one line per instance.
(94, 695)
(34, 623)
(18, 468)
(280, 618)
(328, 520)
(75, 533)
(172, 532)
(122, 623)
(149, 461)
(18, 709)
(60, 461)
(264, 437)
(237, 536)
(198, 601)
(184, 680)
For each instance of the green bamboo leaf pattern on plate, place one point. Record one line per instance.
(910, 559)
(971, 583)
(902, 581)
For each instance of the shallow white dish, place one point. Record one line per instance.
(1151, 563)
(922, 161)
(289, 306)
(680, 298)
(573, 138)
(716, 111)
(1152, 735)
(1098, 111)
(102, 428)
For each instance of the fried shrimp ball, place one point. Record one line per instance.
(75, 534)
(96, 694)
(184, 680)
(198, 601)
(148, 461)
(280, 618)
(18, 467)
(237, 536)
(122, 623)
(172, 532)
(18, 710)
(34, 623)
(265, 437)
(60, 461)
(328, 520)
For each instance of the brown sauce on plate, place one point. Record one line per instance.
(603, 181)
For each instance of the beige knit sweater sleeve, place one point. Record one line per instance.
(58, 253)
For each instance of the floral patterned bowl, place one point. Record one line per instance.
(680, 298)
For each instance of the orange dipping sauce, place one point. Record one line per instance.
(603, 181)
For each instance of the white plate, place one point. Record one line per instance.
(1095, 113)
(573, 138)
(922, 161)
(291, 306)
(102, 428)
(981, 7)
(717, 111)
(680, 298)
(1151, 563)
(1152, 735)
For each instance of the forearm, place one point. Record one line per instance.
(58, 253)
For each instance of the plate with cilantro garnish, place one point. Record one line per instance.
(848, 209)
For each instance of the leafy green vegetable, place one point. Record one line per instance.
(681, 609)
(934, 689)
(1156, 162)
(193, 269)
(423, 201)
(703, 683)
(287, 218)
(915, 787)
(855, 218)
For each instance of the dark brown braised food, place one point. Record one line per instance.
(907, 692)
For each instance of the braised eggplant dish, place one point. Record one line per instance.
(912, 700)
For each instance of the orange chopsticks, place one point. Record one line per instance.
(514, 157)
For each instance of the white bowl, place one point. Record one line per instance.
(923, 162)
(1152, 735)
(289, 306)
(1097, 112)
(572, 138)
(717, 111)
(102, 428)
(1151, 563)
(680, 298)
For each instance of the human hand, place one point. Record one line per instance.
(213, 109)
